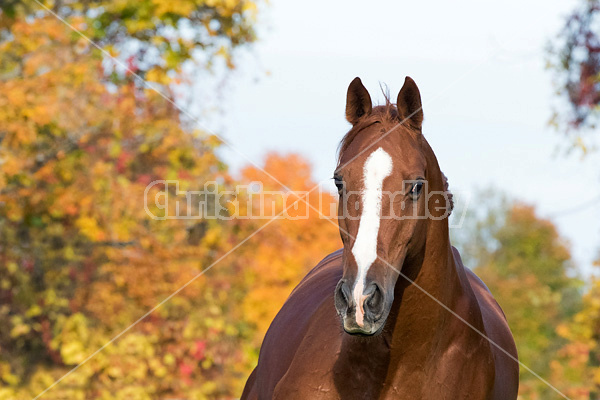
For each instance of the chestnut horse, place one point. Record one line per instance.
(394, 314)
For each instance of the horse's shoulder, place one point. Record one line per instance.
(308, 312)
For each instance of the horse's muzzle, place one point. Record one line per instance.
(364, 319)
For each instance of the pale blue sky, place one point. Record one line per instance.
(480, 66)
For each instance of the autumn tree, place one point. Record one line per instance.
(577, 370)
(80, 259)
(155, 38)
(575, 58)
(528, 268)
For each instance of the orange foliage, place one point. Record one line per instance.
(81, 260)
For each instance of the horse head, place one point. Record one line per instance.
(386, 199)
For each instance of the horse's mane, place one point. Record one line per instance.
(449, 195)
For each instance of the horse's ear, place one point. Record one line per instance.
(409, 103)
(358, 101)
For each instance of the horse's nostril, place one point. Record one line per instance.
(343, 297)
(374, 301)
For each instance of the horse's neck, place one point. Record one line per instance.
(438, 287)
(428, 279)
(436, 281)
(439, 283)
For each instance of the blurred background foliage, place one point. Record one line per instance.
(80, 260)
(574, 56)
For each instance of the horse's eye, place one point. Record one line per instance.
(415, 191)
(339, 183)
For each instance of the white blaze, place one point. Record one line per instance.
(377, 167)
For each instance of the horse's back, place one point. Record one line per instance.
(501, 340)
(311, 300)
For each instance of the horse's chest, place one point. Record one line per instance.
(454, 374)
(448, 380)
